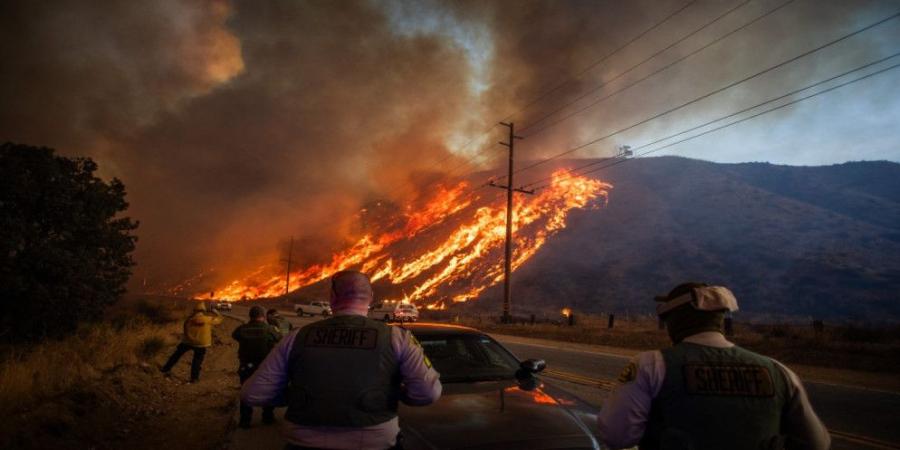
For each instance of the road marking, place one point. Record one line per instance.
(864, 440)
(608, 385)
(503, 338)
(848, 386)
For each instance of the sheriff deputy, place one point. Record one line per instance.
(342, 378)
(704, 392)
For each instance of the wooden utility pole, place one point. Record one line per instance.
(287, 277)
(507, 265)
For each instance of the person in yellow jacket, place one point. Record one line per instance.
(197, 337)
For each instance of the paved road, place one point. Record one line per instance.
(853, 414)
(859, 418)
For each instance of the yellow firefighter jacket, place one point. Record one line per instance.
(198, 329)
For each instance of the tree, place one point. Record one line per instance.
(65, 252)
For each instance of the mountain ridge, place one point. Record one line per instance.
(819, 241)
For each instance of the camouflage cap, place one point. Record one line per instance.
(699, 296)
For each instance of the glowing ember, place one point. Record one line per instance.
(566, 312)
(454, 267)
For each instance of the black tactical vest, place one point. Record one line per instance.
(717, 398)
(343, 372)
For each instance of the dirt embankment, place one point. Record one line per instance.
(102, 388)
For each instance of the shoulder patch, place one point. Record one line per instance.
(728, 380)
(415, 342)
(629, 373)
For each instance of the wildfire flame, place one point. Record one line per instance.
(457, 267)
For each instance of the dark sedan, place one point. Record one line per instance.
(491, 400)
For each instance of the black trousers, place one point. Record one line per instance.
(196, 362)
(244, 372)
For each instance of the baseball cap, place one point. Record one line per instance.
(701, 296)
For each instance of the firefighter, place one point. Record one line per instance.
(277, 321)
(342, 377)
(197, 338)
(704, 392)
(255, 339)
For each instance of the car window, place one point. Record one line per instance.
(468, 357)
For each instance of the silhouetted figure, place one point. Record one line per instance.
(255, 339)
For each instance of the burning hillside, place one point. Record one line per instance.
(448, 251)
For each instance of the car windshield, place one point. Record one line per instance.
(468, 357)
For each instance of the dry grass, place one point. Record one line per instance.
(856, 347)
(55, 367)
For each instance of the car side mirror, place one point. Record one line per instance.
(525, 375)
(533, 365)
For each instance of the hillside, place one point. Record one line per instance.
(798, 241)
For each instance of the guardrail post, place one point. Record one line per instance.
(612, 321)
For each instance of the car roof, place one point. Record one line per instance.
(427, 328)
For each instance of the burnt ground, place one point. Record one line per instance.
(136, 407)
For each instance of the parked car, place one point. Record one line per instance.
(394, 312)
(313, 308)
(223, 306)
(491, 400)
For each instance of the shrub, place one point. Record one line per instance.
(65, 254)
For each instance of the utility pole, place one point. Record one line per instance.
(287, 277)
(507, 265)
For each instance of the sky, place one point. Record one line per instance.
(251, 121)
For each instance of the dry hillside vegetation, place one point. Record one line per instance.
(102, 388)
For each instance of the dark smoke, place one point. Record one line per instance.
(237, 125)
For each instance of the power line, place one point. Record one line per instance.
(469, 161)
(601, 60)
(621, 74)
(703, 125)
(753, 116)
(657, 71)
(714, 92)
(661, 69)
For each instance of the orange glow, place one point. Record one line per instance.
(437, 266)
(566, 312)
(537, 395)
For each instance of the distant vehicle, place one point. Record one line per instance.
(223, 306)
(314, 308)
(491, 400)
(394, 312)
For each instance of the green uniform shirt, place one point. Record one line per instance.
(255, 340)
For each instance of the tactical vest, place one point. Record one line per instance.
(717, 398)
(343, 372)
